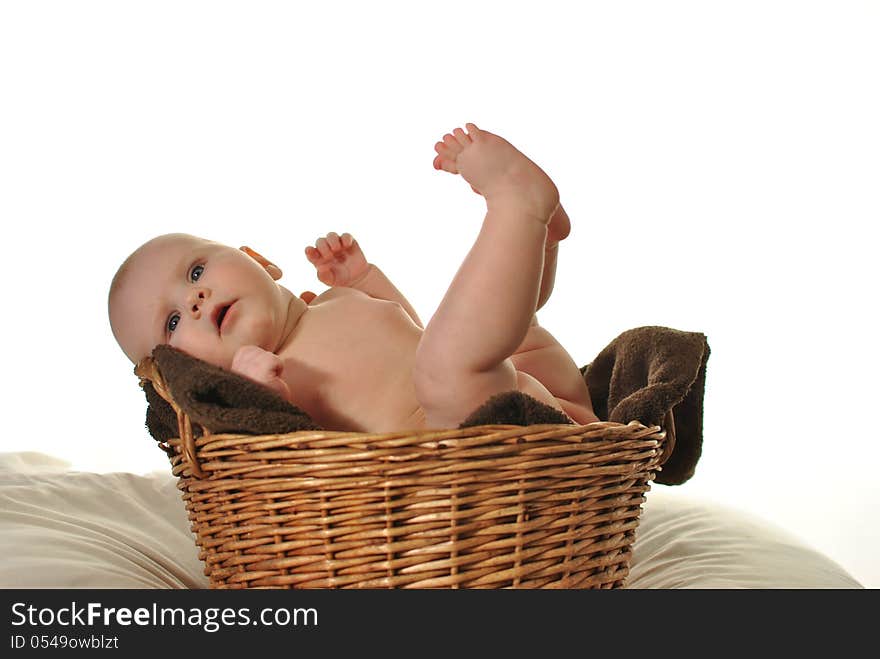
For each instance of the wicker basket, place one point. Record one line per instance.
(550, 506)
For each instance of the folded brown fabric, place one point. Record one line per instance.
(644, 373)
(216, 399)
(513, 408)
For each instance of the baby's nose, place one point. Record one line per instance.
(196, 299)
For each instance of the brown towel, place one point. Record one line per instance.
(640, 376)
(217, 399)
(646, 372)
(513, 408)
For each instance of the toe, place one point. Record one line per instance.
(445, 159)
(444, 151)
(462, 137)
(446, 165)
(472, 130)
(452, 143)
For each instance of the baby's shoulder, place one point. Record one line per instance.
(335, 293)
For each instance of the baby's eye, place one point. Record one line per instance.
(172, 322)
(196, 272)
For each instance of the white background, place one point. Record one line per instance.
(720, 163)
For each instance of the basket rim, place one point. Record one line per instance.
(420, 439)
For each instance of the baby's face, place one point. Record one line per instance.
(202, 297)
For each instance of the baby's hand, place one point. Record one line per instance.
(261, 366)
(338, 259)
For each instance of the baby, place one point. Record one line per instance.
(357, 357)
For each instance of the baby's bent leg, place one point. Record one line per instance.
(462, 358)
(543, 357)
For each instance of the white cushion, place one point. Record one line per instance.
(67, 529)
(686, 543)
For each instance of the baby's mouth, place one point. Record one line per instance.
(220, 314)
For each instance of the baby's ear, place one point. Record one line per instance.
(273, 270)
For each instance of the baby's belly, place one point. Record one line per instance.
(384, 400)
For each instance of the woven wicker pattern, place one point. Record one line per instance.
(552, 506)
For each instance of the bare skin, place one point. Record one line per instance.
(484, 337)
(356, 357)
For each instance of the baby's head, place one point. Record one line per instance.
(202, 297)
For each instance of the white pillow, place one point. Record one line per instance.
(685, 543)
(66, 529)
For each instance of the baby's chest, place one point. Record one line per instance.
(356, 352)
(355, 328)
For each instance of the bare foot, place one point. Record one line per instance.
(501, 173)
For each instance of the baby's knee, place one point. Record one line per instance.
(447, 388)
(432, 377)
(435, 394)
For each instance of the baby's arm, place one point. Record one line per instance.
(340, 262)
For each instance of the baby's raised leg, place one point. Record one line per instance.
(463, 356)
(557, 229)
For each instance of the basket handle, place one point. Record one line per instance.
(669, 442)
(148, 371)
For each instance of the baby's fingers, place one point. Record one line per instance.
(313, 255)
(267, 364)
(329, 248)
(324, 248)
(274, 364)
(334, 241)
